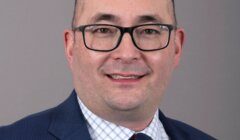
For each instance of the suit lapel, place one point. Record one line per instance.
(170, 128)
(67, 122)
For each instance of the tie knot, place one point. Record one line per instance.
(140, 136)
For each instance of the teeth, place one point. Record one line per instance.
(119, 77)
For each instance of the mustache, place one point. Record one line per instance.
(119, 67)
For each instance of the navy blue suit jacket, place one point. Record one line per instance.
(66, 122)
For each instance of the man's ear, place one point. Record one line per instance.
(69, 45)
(179, 42)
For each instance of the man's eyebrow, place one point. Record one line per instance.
(149, 18)
(104, 17)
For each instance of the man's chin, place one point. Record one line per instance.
(125, 105)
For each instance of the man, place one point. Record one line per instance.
(121, 54)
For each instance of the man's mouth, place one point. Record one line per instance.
(124, 77)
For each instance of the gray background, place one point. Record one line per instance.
(204, 91)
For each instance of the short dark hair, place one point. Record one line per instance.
(174, 13)
(76, 3)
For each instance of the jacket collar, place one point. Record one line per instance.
(68, 122)
(170, 128)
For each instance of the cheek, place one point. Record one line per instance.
(162, 67)
(161, 62)
(81, 71)
(87, 63)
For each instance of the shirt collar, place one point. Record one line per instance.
(101, 129)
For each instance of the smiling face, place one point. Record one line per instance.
(126, 83)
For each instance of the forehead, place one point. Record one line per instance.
(125, 11)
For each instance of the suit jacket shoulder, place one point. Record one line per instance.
(191, 132)
(33, 127)
(64, 122)
(182, 131)
(188, 130)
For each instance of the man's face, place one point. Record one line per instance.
(126, 78)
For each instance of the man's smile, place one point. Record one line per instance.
(119, 77)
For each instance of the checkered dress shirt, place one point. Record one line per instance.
(100, 129)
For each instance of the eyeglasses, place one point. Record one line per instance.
(105, 37)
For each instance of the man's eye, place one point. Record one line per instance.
(102, 30)
(150, 31)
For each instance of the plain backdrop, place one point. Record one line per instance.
(203, 92)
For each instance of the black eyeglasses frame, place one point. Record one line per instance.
(124, 30)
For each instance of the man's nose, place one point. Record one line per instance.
(126, 50)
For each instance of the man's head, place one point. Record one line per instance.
(126, 84)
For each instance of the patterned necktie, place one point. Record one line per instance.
(140, 136)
